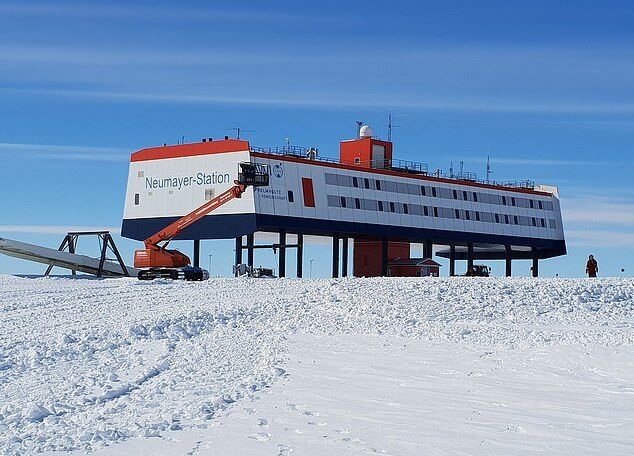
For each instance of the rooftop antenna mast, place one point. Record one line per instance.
(238, 130)
(390, 123)
(488, 170)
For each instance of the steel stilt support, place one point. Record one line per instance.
(197, 253)
(250, 243)
(428, 248)
(300, 256)
(508, 261)
(238, 258)
(452, 260)
(469, 256)
(384, 257)
(335, 256)
(344, 257)
(282, 265)
(535, 268)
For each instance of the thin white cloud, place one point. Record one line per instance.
(596, 211)
(44, 54)
(62, 152)
(598, 221)
(600, 238)
(601, 123)
(546, 162)
(302, 99)
(149, 12)
(495, 160)
(435, 59)
(54, 229)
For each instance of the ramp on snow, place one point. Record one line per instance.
(73, 261)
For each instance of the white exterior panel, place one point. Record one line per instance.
(173, 187)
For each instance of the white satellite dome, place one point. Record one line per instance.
(365, 132)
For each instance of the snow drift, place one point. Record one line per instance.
(85, 363)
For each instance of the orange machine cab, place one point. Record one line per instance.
(150, 258)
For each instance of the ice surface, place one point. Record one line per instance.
(390, 365)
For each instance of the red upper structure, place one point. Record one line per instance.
(366, 152)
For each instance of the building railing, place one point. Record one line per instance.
(473, 177)
(297, 151)
(404, 166)
(294, 151)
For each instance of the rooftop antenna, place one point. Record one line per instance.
(488, 169)
(461, 168)
(451, 169)
(359, 125)
(390, 123)
(238, 130)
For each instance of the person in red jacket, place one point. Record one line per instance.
(592, 267)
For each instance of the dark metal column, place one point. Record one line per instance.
(335, 256)
(452, 260)
(282, 265)
(71, 248)
(197, 253)
(344, 258)
(104, 251)
(427, 249)
(535, 268)
(508, 260)
(67, 239)
(250, 242)
(469, 256)
(384, 257)
(114, 249)
(238, 259)
(300, 255)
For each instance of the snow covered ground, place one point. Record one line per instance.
(390, 366)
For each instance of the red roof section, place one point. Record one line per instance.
(413, 262)
(189, 150)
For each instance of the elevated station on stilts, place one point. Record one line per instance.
(381, 203)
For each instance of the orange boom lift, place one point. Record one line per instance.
(157, 261)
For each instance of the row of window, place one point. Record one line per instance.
(441, 212)
(343, 180)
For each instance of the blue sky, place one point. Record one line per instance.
(544, 88)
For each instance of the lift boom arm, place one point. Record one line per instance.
(156, 256)
(172, 230)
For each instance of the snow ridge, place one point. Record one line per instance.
(86, 363)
